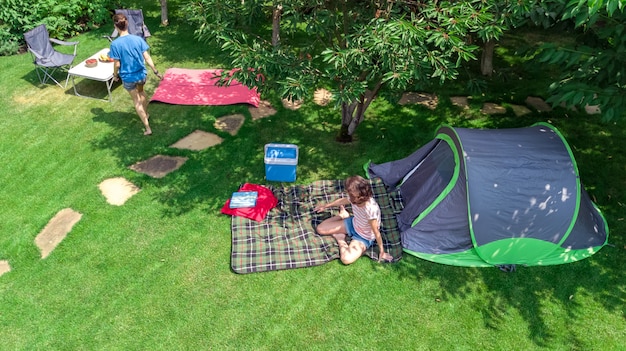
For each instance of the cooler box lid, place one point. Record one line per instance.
(281, 154)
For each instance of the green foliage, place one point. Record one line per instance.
(476, 86)
(542, 13)
(8, 44)
(594, 67)
(355, 48)
(63, 18)
(154, 273)
(409, 45)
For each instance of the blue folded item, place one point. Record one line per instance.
(241, 199)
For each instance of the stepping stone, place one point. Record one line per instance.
(56, 230)
(460, 101)
(322, 97)
(230, 123)
(538, 104)
(159, 166)
(5, 267)
(489, 108)
(429, 100)
(117, 190)
(265, 109)
(197, 140)
(520, 110)
(593, 110)
(292, 105)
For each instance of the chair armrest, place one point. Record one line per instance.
(66, 43)
(36, 55)
(61, 42)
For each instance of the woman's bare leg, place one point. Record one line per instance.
(140, 101)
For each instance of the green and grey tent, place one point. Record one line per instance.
(494, 197)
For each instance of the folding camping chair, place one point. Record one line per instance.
(136, 25)
(46, 59)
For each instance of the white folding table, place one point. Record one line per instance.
(103, 72)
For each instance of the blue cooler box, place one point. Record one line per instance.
(280, 162)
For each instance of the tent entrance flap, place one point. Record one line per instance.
(428, 183)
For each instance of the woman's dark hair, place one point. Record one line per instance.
(358, 189)
(120, 21)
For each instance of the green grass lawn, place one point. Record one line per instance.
(154, 274)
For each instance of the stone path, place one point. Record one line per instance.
(425, 99)
(230, 124)
(538, 104)
(322, 97)
(292, 105)
(118, 190)
(159, 166)
(56, 230)
(5, 267)
(265, 109)
(520, 110)
(197, 140)
(490, 108)
(460, 101)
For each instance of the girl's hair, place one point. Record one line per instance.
(358, 189)
(120, 21)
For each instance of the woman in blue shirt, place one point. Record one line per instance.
(130, 53)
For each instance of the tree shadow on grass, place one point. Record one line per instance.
(177, 43)
(596, 148)
(528, 291)
(209, 177)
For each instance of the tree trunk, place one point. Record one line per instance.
(277, 13)
(343, 136)
(164, 20)
(347, 115)
(353, 114)
(486, 61)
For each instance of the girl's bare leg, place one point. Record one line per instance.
(352, 252)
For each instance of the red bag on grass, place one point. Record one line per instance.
(264, 203)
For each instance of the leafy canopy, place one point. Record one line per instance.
(349, 46)
(594, 67)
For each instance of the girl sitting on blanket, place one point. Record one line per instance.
(363, 227)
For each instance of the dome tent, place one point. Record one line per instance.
(494, 197)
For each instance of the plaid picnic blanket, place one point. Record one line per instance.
(286, 238)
